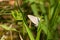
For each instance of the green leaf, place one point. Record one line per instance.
(52, 2)
(17, 15)
(38, 31)
(59, 19)
(42, 6)
(8, 28)
(38, 34)
(27, 29)
(29, 32)
(31, 1)
(34, 9)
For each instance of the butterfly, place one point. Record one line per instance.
(34, 19)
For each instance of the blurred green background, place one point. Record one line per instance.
(16, 25)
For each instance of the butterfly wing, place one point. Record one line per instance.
(34, 19)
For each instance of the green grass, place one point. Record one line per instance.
(49, 15)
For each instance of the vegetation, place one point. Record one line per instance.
(15, 24)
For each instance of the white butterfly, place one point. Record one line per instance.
(34, 19)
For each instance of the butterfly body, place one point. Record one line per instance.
(34, 19)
